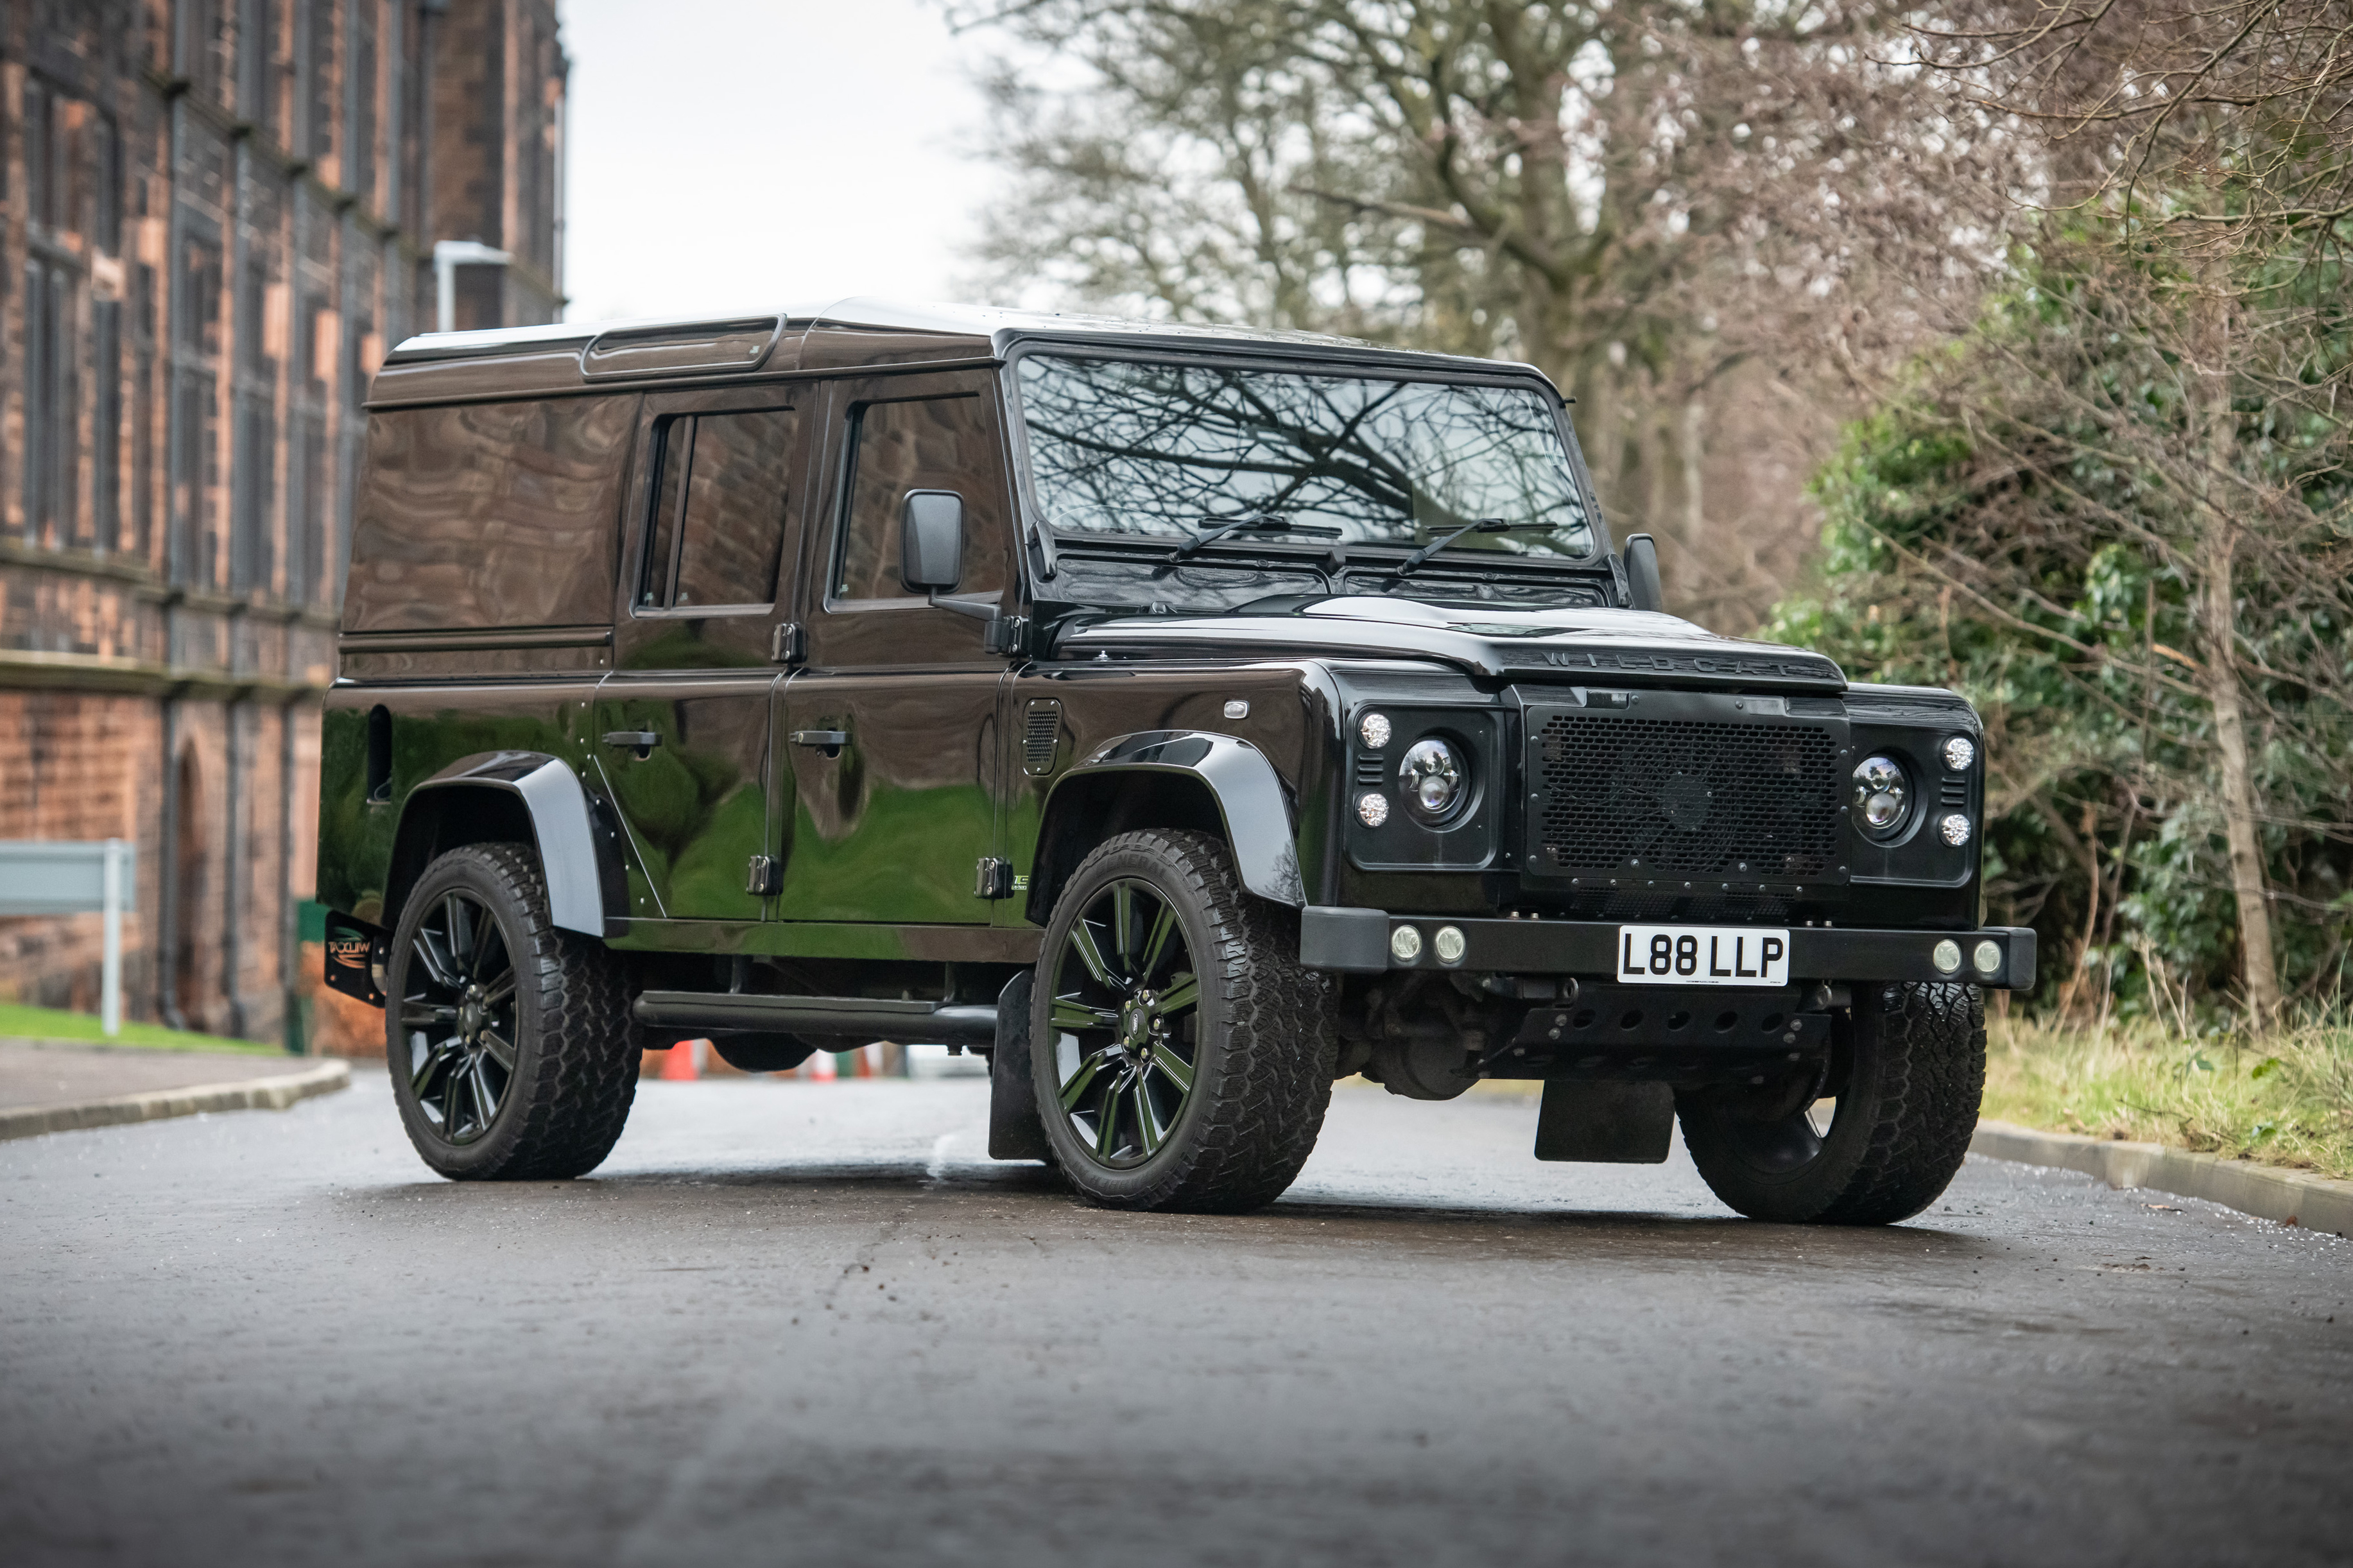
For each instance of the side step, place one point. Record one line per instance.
(818, 1017)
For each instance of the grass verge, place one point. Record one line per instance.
(21, 1023)
(2280, 1098)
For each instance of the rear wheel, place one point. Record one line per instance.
(1909, 1073)
(1182, 1056)
(508, 1039)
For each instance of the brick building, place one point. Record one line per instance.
(213, 215)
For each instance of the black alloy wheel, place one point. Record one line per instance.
(509, 1041)
(457, 1017)
(1127, 1018)
(1877, 1142)
(1180, 1057)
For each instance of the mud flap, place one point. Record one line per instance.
(1014, 1130)
(1606, 1123)
(354, 957)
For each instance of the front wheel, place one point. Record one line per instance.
(508, 1039)
(1909, 1072)
(1181, 1055)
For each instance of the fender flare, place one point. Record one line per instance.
(581, 864)
(1260, 827)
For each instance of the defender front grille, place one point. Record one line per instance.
(1651, 798)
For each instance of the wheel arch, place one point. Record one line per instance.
(1171, 778)
(525, 797)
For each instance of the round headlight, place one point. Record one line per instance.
(1434, 779)
(1956, 829)
(1373, 729)
(1372, 808)
(1960, 753)
(1880, 796)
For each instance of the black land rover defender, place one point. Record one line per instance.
(1182, 718)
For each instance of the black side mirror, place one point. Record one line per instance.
(1642, 556)
(931, 540)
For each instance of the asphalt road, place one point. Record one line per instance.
(798, 1323)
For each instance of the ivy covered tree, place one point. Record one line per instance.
(2119, 515)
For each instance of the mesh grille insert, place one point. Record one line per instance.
(1041, 731)
(1657, 798)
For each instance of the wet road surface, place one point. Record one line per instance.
(795, 1322)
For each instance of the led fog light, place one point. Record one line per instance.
(1946, 955)
(1449, 944)
(1987, 958)
(1405, 944)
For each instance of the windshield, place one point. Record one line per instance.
(1125, 447)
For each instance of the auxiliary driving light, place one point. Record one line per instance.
(1373, 729)
(1989, 958)
(1946, 955)
(1449, 944)
(1960, 753)
(1372, 808)
(1955, 828)
(1405, 944)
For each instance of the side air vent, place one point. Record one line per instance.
(1042, 735)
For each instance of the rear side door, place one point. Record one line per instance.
(680, 727)
(890, 730)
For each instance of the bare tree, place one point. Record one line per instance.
(1688, 215)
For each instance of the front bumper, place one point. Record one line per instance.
(1357, 942)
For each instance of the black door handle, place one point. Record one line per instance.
(641, 741)
(829, 741)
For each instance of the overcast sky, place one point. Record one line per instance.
(742, 154)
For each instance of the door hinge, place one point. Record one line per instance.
(1006, 634)
(763, 875)
(785, 643)
(992, 879)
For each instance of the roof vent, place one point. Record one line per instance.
(704, 348)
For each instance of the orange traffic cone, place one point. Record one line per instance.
(684, 1063)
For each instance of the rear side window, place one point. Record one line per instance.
(489, 514)
(929, 443)
(719, 498)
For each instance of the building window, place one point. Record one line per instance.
(51, 457)
(106, 424)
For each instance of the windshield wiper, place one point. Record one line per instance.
(1250, 522)
(1477, 525)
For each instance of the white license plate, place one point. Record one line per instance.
(1702, 955)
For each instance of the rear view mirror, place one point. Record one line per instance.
(931, 540)
(1642, 573)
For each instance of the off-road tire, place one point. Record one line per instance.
(576, 1063)
(1266, 1046)
(1914, 1073)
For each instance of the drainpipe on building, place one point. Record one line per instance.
(233, 855)
(167, 903)
(292, 1024)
